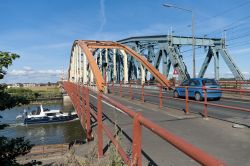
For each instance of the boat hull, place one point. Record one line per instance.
(45, 120)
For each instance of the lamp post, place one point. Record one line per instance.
(193, 23)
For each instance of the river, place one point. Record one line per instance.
(41, 133)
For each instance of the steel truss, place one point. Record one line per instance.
(165, 49)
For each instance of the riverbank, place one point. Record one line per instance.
(77, 155)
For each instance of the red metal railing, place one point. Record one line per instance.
(80, 99)
(141, 92)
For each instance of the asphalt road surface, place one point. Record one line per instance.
(227, 114)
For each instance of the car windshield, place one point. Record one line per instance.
(209, 82)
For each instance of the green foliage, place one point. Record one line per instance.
(6, 60)
(12, 97)
(11, 148)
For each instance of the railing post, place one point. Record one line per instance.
(205, 102)
(99, 127)
(142, 93)
(187, 102)
(160, 96)
(83, 110)
(120, 88)
(78, 99)
(113, 88)
(88, 125)
(130, 91)
(137, 138)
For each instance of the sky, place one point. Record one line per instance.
(43, 31)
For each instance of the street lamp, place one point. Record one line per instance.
(193, 23)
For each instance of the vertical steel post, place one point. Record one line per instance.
(205, 101)
(137, 139)
(160, 96)
(187, 102)
(99, 127)
(88, 125)
(142, 93)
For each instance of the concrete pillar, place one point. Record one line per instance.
(74, 60)
(114, 66)
(84, 64)
(80, 63)
(125, 66)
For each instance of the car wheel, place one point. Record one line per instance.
(176, 94)
(198, 96)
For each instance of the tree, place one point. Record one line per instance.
(7, 100)
(10, 148)
(6, 60)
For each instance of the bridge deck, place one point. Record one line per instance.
(216, 137)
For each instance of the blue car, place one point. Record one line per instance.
(195, 89)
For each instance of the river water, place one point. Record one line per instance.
(41, 133)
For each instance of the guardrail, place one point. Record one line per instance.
(136, 89)
(80, 99)
(240, 85)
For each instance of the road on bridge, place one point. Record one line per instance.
(216, 137)
(236, 116)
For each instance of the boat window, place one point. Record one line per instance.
(46, 109)
(51, 114)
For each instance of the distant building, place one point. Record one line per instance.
(27, 85)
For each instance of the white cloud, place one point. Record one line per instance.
(27, 74)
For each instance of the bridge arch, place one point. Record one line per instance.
(97, 62)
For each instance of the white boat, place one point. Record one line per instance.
(42, 115)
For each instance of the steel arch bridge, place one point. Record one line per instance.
(138, 58)
(98, 62)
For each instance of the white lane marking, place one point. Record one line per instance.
(110, 105)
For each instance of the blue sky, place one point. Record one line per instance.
(42, 31)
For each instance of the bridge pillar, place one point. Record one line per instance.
(91, 77)
(106, 67)
(142, 74)
(100, 61)
(84, 69)
(125, 66)
(74, 59)
(114, 66)
(77, 64)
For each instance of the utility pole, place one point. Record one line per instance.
(193, 31)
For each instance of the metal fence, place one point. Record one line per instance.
(80, 99)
